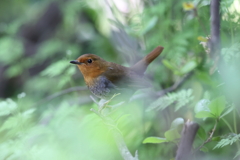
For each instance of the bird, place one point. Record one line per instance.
(104, 79)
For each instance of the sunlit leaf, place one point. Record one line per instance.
(204, 114)
(169, 65)
(187, 6)
(189, 66)
(172, 135)
(217, 106)
(7, 107)
(202, 105)
(177, 122)
(202, 39)
(155, 140)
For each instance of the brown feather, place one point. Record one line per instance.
(141, 66)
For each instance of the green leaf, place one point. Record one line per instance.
(227, 111)
(178, 99)
(7, 107)
(217, 106)
(14, 70)
(204, 149)
(172, 135)
(154, 140)
(237, 154)
(49, 48)
(11, 49)
(189, 66)
(228, 141)
(152, 22)
(218, 138)
(177, 122)
(204, 114)
(201, 133)
(169, 65)
(202, 105)
(55, 69)
(10, 123)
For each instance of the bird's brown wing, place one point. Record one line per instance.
(124, 77)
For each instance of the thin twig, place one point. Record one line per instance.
(57, 94)
(72, 89)
(175, 85)
(210, 137)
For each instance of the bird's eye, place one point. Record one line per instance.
(89, 60)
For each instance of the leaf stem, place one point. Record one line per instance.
(229, 126)
(210, 137)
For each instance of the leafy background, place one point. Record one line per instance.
(45, 106)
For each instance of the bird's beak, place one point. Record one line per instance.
(75, 62)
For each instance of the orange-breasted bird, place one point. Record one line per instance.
(104, 78)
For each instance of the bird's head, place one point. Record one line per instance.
(90, 65)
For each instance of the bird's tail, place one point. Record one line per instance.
(141, 66)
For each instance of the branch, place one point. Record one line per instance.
(188, 134)
(175, 85)
(57, 94)
(210, 137)
(215, 28)
(72, 89)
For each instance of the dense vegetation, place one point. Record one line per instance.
(45, 106)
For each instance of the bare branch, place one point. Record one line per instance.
(210, 137)
(175, 85)
(215, 28)
(188, 134)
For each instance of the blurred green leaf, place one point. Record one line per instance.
(10, 123)
(152, 22)
(189, 66)
(204, 149)
(7, 107)
(217, 106)
(172, 135)
(227, 141)
(56, 68)
(201, 133)
(14, 70)
(230, 109)
(178, 122)
(180, 99)
(154, 140)
(218, 138)
(204, 114)
(11, 49)
(169, 65)
(202, 105)
(48, 49)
